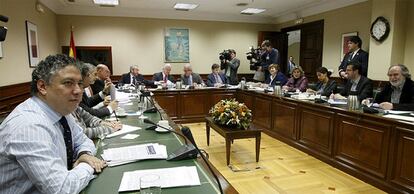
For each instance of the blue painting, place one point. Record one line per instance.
(177, 45)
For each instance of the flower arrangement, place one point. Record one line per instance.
(231, 113)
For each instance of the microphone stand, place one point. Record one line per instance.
(146, 95)
(187, 132)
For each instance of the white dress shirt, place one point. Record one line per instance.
(33, 152)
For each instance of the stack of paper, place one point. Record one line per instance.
(128, 154)
(400, 117)
(125, 129)
(169, 177)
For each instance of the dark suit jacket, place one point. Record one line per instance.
(158, 77)
(88, 102)
(329, 88)
(361, 57)
(97, 86)
(234, 66)
(406, 98)
(211, 80)
(280, 77)
(126, 79)
(196, 78)
(364, 88)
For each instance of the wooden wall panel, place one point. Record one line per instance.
(284, 119)
(192, 105)
(316, 129)
(262, 112)
(363, 144)
(170, 103)
(402, 169)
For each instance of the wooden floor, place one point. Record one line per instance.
(281, 168)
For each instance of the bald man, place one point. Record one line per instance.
(103, 74)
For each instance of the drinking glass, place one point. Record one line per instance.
(102, 137)
(150, 184)
(141, 109)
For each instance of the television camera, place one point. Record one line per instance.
(255, 57)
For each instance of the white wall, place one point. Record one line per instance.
(140, 41)
(14, 66)
(336, 22)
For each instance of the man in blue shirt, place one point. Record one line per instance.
(42, 148)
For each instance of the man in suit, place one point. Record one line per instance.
(290, 65)
(216, 78)
(133, 77)
(164, 76)
(356, 83)
(355, 54)
(270, 56)
(103, 74)
(231, 67)
(190, 78)
(398, 94)
(88, 102)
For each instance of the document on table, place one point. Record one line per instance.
(123, 155)
(400, 117)
(169, 177)
(125, 129)
(337, 102)
(397, 112)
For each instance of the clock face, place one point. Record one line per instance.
(380, 29)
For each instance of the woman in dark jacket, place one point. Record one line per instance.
(325, 85)
(298, 81)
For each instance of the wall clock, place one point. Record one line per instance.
(380, 29)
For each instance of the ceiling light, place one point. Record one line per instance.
(185, 6)
(251, 11)
(106, 2)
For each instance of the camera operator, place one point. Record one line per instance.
(270, 56)
(230, 66)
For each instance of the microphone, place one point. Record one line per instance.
(4, 18)
(187, 133)
(147, 94)
(187, 151)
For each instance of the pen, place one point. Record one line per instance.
(116, 117)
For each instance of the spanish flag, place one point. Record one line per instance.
(72, 49)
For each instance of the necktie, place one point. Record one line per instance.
(134, 80)
(190, 81)
(165, 78)
(67, 136)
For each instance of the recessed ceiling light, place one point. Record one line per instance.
(242, 4)
(251, 11)
(185, 6)
(106, 2)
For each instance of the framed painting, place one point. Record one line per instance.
(344, 45)
(32, 44)
(176, 45)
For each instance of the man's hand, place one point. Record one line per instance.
(115, 125)
(94, 162)
(386, 106)
(107, 100)
(344, 75)
(107, 88)
(113, 105)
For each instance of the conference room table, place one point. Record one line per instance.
(109, 180)
(376, 149)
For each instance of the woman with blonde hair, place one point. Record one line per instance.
(298, 81)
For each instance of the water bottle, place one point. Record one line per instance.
(353, 102)
(243, 83)
(178, 84)
(277, 90)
